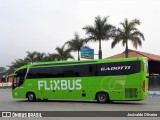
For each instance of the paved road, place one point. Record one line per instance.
(7, 103)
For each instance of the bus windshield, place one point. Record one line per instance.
(19, 78)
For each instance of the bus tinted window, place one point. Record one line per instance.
(76, 71)
(105, 69)
(45, 73)
(57, 72)
(118, 68)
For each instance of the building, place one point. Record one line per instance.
(134, 53)
(3, 74)
(153, 63)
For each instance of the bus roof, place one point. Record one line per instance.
(65, 63)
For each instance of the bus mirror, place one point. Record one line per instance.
(14, 84)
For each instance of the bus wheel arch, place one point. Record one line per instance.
(31, 96)
(102, 97)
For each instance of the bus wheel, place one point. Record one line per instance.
(31, 97)
(102, 97)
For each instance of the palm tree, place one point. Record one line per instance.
(76, 44)
(51, 57)
(40, 57)
(100, 31)
(129, 32)
(16, 64)
(19, 62)
(63, 54)
(31, 57)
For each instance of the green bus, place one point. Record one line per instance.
(122, 79)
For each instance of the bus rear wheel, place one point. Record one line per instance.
(102, 97)
(31, 97)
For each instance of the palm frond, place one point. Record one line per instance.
(135, 41)
(116, 40)
(63, 54)
(138, 33)
(129, 32)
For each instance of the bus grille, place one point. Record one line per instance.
(131, 92)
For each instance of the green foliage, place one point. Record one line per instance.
(16, 64)
(76, 44)
(129, 32)
(63, 53)
(50, 57)
(100, 31)
(31, 58)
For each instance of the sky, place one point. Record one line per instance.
(42, 25)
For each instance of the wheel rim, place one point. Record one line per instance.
(31, 97)
(102, 97)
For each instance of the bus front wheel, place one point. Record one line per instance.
(31, 97)
(102, 97)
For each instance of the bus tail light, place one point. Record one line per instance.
(143, 86)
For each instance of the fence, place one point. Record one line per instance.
(5, 84)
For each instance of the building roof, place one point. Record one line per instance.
(134, 53)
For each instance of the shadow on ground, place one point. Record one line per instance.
(80, 101)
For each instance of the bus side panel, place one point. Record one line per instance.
(30, 86)
(16, 93)
(118, 87)
(111, 85)
(59, 88)
(132, 90)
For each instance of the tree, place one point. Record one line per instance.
(31, 57)
(19, 62)
(40, 57)
(63, 54)
(51, 57)
(129, 32)
(76, 44)
(16, 64)
(100, 31)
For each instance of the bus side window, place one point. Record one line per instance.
(68, 73)
(91, 69)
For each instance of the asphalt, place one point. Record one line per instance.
(7, 103)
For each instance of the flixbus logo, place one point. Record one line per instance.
(115, 68)
(60, 84)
